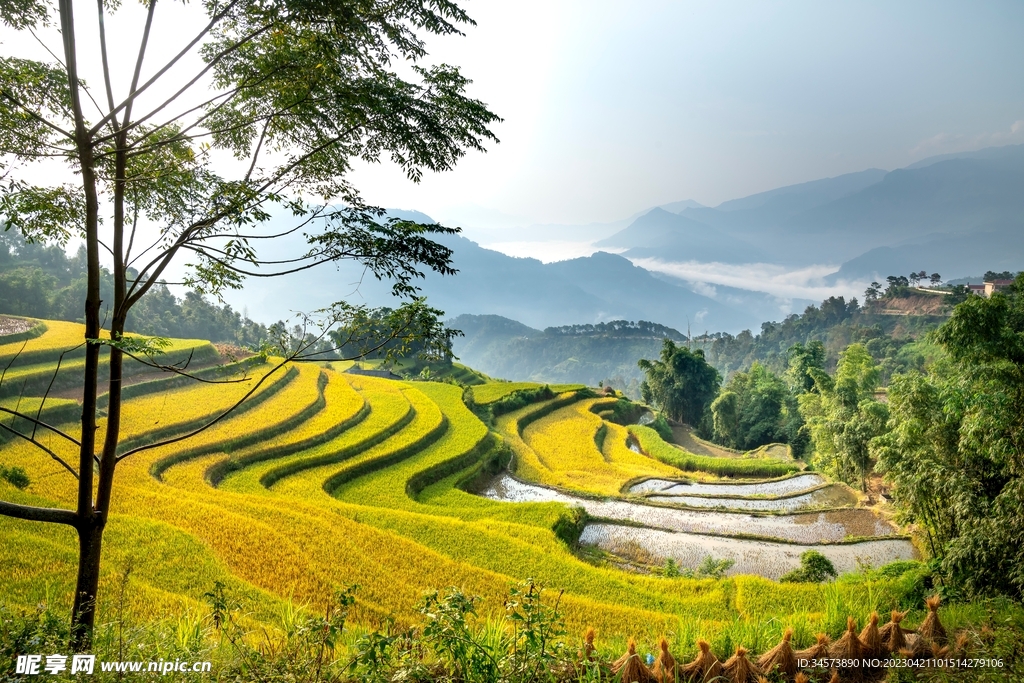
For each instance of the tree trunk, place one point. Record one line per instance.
(89, 524)
(83, 615)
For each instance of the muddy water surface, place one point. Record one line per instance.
(763, 558)
(781, 487)
(823, 527)
(829, 496)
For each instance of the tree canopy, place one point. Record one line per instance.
(261, 111)
(680, 382)
(843, 416)
(752, 410)
(955, 449)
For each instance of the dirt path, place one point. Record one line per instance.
(683, 436)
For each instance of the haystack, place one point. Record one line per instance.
(588, 645)
(664, 670)
(931, 629)
(871, 638)
(848, 646)
(817, 651)
(629, 669)
(780, 657)
(894, 636)
(739, 669)
(705, 667)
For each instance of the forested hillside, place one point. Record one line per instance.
(43, 282)
(891, 328)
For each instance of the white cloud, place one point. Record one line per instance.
(958, 142)
(778, 280)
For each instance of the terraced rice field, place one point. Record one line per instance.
(326, 479)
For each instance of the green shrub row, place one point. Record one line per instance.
(277, 474)
(652, 444)
(435, 473)
(368, 467)
(227, 445)
(216, 474)
(175, 381)
(70, 374)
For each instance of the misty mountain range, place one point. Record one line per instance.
(959, 215)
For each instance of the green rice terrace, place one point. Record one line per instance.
(326, 479)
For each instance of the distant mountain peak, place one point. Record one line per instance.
(679, 207)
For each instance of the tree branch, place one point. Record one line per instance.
(138, 62)
(37, 514)
(164, 69)
(35, 115)
(209, 424)
(40, 423)
(38, 445)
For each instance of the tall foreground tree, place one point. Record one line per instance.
(294, 90)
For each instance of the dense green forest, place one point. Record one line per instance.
(892, 328)
(944, 437)
(584, 354)
(42, 281)
(893, 337)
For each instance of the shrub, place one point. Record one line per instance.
(814, 568)
(570, 525)
(15, 476)
(660, 425)
(709, 568)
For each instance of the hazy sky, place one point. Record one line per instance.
(612, 107)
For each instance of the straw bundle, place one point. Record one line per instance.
(588, 645)
(871, 638)
(894, 636)
(931, 628)
(817, 651)
(780, 657)
(705, 667)
(801, 677)
(848, 646)
(739, 669)
(664, 670)
(629, 669)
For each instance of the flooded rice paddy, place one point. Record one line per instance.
(809, 528)
(780, 487)
(763, 558)
(824, 497)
